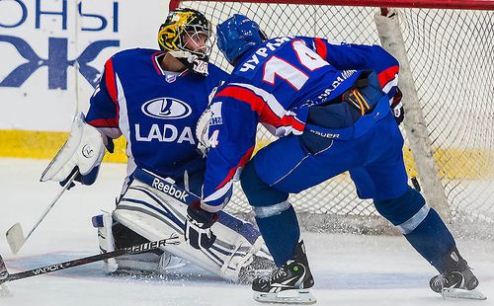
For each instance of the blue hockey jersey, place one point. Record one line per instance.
(275, 84)
(155, 110)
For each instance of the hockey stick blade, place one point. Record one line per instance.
(15, 238)
(174, 239)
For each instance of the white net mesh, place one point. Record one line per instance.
(451, 53)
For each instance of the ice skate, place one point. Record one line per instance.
(288, 284)
(458, 282)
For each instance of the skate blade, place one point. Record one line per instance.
(463, 294)
(293, 296)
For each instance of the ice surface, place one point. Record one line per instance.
(348, 269)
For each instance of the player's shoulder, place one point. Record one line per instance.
(276, 42)
(251, 61)
(313, 41)
(309, 40)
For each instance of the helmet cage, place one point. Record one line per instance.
(192, 33)
(181, 25)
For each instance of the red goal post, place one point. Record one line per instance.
(446, 54)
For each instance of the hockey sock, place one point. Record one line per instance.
(274, 215)
(281, 233)
(421, 226)
(433, 240)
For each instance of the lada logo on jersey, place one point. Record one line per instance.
(166, 108)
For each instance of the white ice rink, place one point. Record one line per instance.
(348, 269)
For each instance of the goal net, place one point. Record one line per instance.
(449, 49)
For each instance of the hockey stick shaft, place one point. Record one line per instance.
(53, 202)
(14, 235)
(137, 249)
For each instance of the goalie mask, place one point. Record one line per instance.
(187, 36)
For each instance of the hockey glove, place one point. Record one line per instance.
(87, 179)
(82, 152)
(397, 107)
(198, 226)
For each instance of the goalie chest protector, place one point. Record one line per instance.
(156, 110)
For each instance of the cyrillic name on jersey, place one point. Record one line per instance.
(264, 52)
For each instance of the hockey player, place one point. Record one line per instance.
(154, 99)
(330, 106)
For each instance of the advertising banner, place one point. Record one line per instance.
(53, 52)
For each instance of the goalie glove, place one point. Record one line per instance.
(198, 226)
(397, 106)
(82, 153)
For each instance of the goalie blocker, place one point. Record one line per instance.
(154, 207)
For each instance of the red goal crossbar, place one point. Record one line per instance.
(438, 4)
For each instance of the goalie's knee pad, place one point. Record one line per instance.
(155, 208)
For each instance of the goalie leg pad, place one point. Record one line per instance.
(112, 235)
(104, 223)
(154, 207)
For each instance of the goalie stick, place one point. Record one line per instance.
(14, 234)
(174, 239)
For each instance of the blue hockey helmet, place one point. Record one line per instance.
(236, 35)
